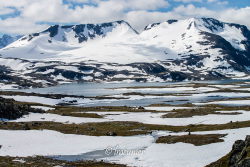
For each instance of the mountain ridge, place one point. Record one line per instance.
(174, 50)
(8, 39)
(79, 29)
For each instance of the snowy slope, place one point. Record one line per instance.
(57, 40)
(188, 37)
(118, 42)
(205, 45)
(190, 49)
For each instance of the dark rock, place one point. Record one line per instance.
(156, 24)
(239, 156)
(247, 141)
(141, 108)
(178, 76)
(53, 30)
(35, 124)
(172, 21)
(238, 145)
(149, 68)
(91, 129)
(4, 123)
(111, 134)
(26, 127)
(9, 109)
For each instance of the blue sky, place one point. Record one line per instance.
(28, 16)
(173, 3)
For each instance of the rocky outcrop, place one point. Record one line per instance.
(240, 154)
(238, 157)
(82, 32)
(9, 109)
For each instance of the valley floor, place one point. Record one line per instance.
(187, 124)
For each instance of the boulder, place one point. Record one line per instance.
(9, 109)
(111, 134)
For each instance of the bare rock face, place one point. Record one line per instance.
(238, 157)
(9, 109)
(240, 154)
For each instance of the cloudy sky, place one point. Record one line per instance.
(27, 16)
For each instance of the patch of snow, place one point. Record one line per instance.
(46, 142)
(43, 108)
(68, 68)
(56, 118)
(34, 99)
(182, 154)
(8, 86)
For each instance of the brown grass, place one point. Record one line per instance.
(47, 162)
(118, 128)
(197, 140)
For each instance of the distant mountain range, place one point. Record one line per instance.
(8, 39)
(175, 50)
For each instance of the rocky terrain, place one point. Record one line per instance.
(238, 157)
(10, 109)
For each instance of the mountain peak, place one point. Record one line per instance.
(203, 46)
(81, 32)
(171, 21)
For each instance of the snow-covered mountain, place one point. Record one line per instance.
(7, 39)
(190, 49)
(70, 42)
(202, 45)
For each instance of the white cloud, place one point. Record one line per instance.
(240, 16)
(138, 13)
(219, 2)
(20, 26)
(191, 10)
(139, 19)
(14, 3)
(146, 4)
(34, 11)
